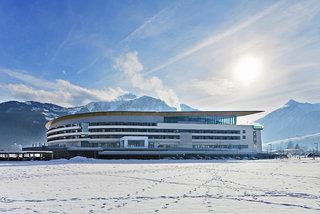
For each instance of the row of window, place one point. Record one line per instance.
(220, 146)
(167, 130)
(64, 132)
(216, 137)
(152, 130)
(65, 126)
(182, 119)
(150, 137)
(122, 124)
(117, 145)
(63, 138)
(108, 124)
(202, 119)
(172, 137)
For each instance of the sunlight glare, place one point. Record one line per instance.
(247, 69)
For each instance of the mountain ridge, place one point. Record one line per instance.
(25, 121)
(293, 119)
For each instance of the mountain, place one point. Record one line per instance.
(294, 119)
(130, 102)
(185, 107)
(144, 103)
(23, 122)
(305, 142)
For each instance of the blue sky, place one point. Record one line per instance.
(74, 52)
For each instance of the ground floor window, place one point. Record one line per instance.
(135, 143)
(220, 146)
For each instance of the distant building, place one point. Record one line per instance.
(144, 133)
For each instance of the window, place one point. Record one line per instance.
(216, 137)
(220, 146)
(201, 119)
(255, 140)
(135, 143)
(163, 130)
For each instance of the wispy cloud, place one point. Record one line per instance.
(26, 77)
(286, 40)
(130, 65)
(212, 86)
(62, 44)
(61, 92)
(194, 47)
(217, 37)
(153, 25)
(86, 67)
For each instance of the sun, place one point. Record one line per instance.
(247, 69)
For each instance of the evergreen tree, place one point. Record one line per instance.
(290, 145)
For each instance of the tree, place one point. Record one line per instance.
(290, 145)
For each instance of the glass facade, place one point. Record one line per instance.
(84, 127)
(227, 120)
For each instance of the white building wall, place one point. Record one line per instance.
(125, 141)
(185, 140)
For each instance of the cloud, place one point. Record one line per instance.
(217, 38)
(25, 77)
(63, 43)
(24, 92)
(284, 38)
(154, 25)
(130, 65)
(60, 92)
(86, 67)
(213, 86)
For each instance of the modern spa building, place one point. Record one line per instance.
(155, 133)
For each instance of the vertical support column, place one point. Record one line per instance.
(146, 143)
(125, 143)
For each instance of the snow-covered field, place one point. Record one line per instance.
(160, 186)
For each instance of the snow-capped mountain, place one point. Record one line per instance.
(144, 103)
(306, 142)
(23, 122)
(294, 119)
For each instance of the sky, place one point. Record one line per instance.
(212, 55)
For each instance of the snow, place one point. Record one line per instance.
(82, 185)
(35, 109)
(49, 115)
(307, 142)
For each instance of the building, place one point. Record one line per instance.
(155, 133)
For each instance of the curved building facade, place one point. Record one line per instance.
(141, 132)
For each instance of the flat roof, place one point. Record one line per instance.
(152, 113)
